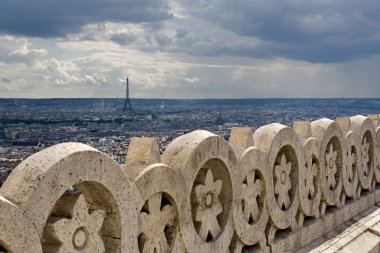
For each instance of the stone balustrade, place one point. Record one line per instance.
(274, 190)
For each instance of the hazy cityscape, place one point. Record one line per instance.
(29, 125)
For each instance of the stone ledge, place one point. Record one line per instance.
(317, 228)
(359, 234)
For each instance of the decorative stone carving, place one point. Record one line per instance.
(284, 151)
(38, 186)
(201, 198)
(283, 183)
(152, 223)
(209, 206)
(311, 171)
(163, 206)
(251, 214)
(377, 157)
(351, 164)
(365, 156)
(350, 172)
(331, 157)
(309, 187)
(80, 233)
(332, 146)
(365, 131)
(252, 191)
(194, 156)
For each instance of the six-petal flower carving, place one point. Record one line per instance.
(331, 168)
(209, 206)
(365, 155)
(283, 183)
(252, 189)
(351, 164)
(81, 232)
(153, 224)
(310, 174)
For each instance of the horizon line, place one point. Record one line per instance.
(122, 98)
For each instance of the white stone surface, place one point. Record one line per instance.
(312, 187)
(17, 233)
(38, 183)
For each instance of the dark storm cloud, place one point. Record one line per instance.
(123, 39)
(4, 80)
(317, 31)
(56, 18)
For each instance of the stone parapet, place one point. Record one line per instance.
(278, 189)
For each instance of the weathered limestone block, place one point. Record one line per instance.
(344, 123)
(350, 175)
(302, 129)
(207, 164)
(251, 213)
(365, 131)
(39, 186)
(162, 209)
(375, 119)
(17, 233)
(142, 151)
(332, 160)
(241, 137)
(284, 153)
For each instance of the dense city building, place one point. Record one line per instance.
(28, 126)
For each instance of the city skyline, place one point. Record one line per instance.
(187, 49)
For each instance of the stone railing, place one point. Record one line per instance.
(275, 190)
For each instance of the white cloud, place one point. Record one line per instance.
(200, 54)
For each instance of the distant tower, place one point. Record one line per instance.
(127, 104)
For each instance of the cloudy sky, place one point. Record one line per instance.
(190, 48)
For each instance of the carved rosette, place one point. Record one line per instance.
(65, 222)
(377, 157)
(80, 232)
(284, 154)
(350, 172)
(207, 163)
(332, 146)
(252, 196)
(251, 214)
(162, 193)
(155, 220)
(365, 131)
(310, 192)
(200, 199)
(209, 206)
(210, 195)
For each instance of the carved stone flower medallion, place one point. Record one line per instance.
(331, 167)
(365, 155)
(153, 222)
(252, 191)
(80, 233)
(209, 206)
(283, 183)
(311, 170)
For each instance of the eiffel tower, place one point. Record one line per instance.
(127, 103)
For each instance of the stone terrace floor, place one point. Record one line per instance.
(360, 234)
